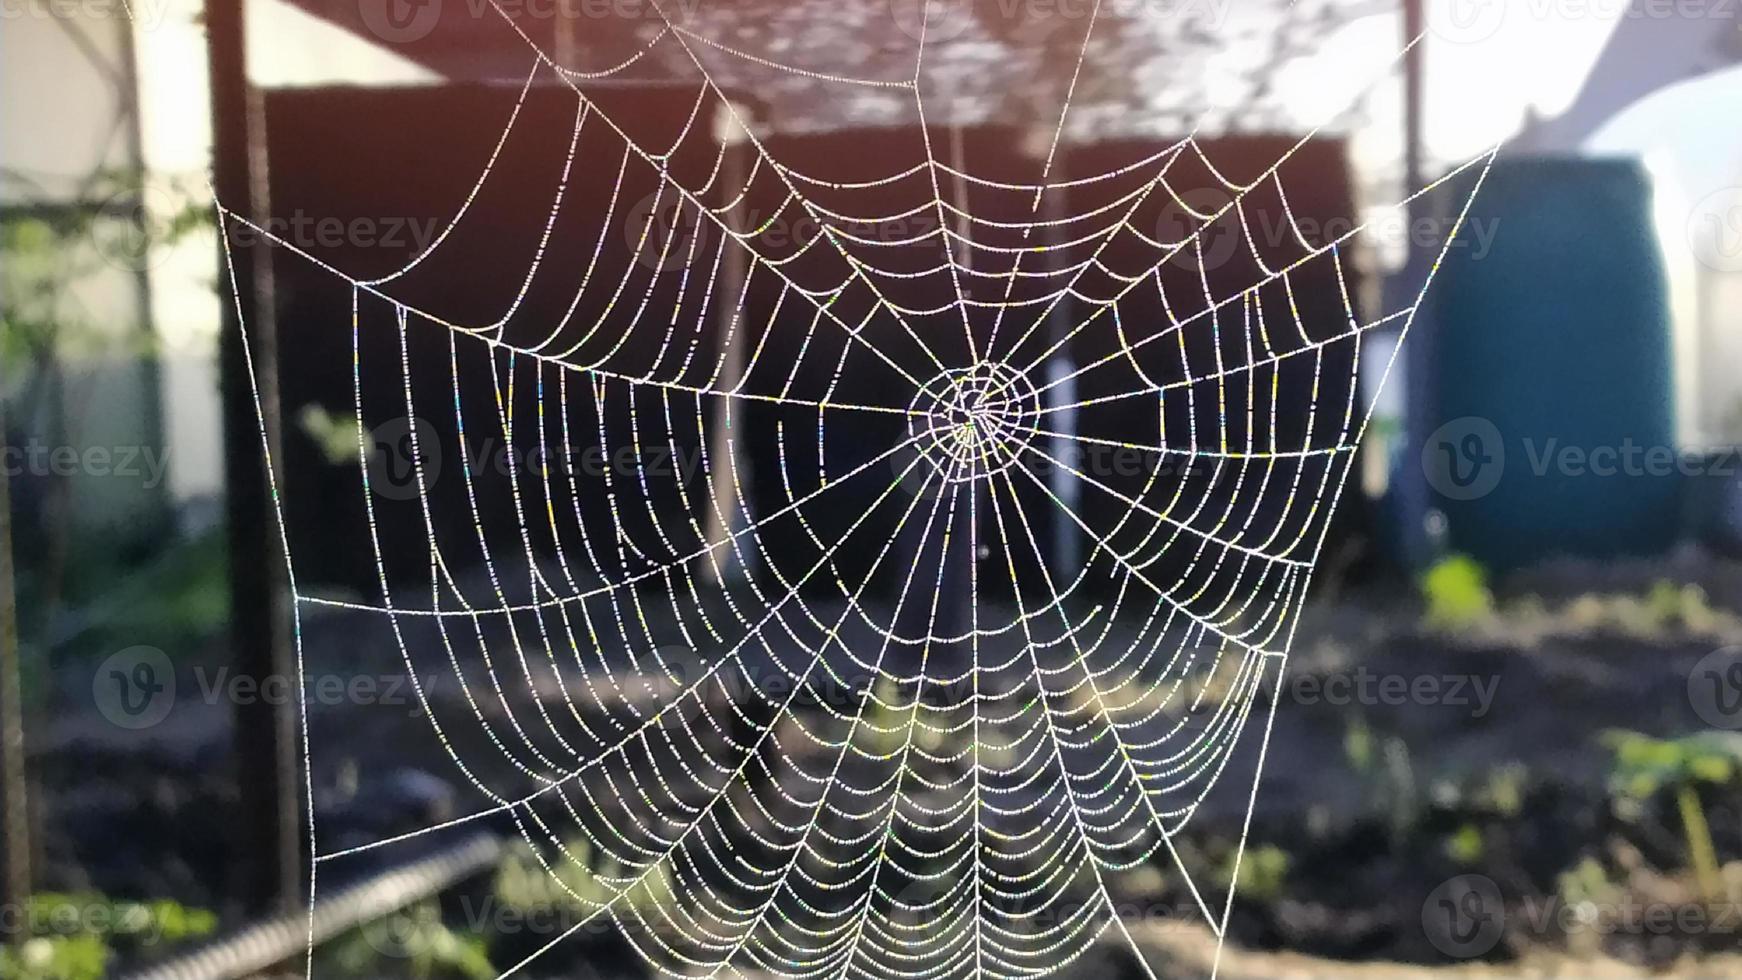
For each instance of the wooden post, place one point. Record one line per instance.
(267, 845)
(725, 517)
(1412, 96)
(15, 840)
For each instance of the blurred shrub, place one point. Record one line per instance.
(77, 936)
(1645, 766)
(1457, 594)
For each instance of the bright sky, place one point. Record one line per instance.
(1480, 80)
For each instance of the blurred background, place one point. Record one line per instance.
(1506, 737)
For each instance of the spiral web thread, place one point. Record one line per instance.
(817, 782)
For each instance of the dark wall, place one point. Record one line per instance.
(379, 160)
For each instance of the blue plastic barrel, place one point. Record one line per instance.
(1551, 400)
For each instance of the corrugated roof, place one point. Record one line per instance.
(1147, 64)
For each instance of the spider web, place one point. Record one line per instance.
(865, 723)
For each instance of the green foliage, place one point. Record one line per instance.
(42, 259)
(412, 943)
(77, 936)
(56, 958)
(1383, 762)
(579, 882)
(1263, 872)
(1586, 882)
(1685, 606)
(1503, 789)
(335, 435)
(1667, 609)
(1457, 594)
(1466, 846)
(172, 602)
(1358, 745)
(1644, 766)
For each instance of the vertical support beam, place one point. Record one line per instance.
(15, 838)
(725, 517)
(128, 98)
(1067, 540)
(1065, 544)
(1413, 89)
(1415, 502)
(958, 563)
(267, 845)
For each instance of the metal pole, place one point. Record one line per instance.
(256, 948)
(127, 86)
(1413, 67)
(725, 518)
(14, 780)
(267, 844)
(1415, 501)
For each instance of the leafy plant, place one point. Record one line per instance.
(1262, 872)
(580, 880)
(76, 936)
(1644, 766)
(1503, 789)
(1466, 845)
(413, 942)
(1457, 594)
